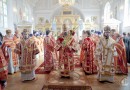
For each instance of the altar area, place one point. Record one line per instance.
(77, 81)
(43, 80)
(70, 18)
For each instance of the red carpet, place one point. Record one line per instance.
(40, 69)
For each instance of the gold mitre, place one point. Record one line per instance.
(107, 28)
(8, 31)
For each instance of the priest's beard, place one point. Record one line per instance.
(65, 34)
(106, 35)
(26, 37)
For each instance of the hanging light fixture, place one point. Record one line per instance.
(67, 2)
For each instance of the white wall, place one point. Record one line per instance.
(50, 8)
(120, 12)
(14, 15)
(85, 8)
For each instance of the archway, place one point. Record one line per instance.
(75, 11)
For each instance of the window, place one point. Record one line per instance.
(127, 13)
(3, 13)
(107, 11)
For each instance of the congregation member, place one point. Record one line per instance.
(127, 41)
(1, 38)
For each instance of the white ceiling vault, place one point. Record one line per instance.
(34, 2)
(50, 8)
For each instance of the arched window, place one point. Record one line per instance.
(127, 13)
(107, 11)
(3, 13)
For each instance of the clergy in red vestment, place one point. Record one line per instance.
(95, 38)
(41, 42)
(16, 37)
(88, 47)
(38, 41)
(54, 53)
(121, 62)
(8, 50)
(48, 52)
(112, 34)
(27, 50)
(82, 51)
(66, 47)
(33, 37)
(3, 70)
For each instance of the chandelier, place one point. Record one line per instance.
(67, 2)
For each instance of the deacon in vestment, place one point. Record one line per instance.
(27, 50)
(48, 51)
(104, 57)
(3, 70)
(66, 47)
(16, 37)
(88, 47)
(121, 62)
(8, 47)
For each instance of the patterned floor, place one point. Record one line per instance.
(14, 82)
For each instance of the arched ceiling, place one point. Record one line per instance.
(52, 4)
(34, 2)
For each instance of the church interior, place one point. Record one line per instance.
(64, 45)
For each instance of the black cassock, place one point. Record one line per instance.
(127, 45)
